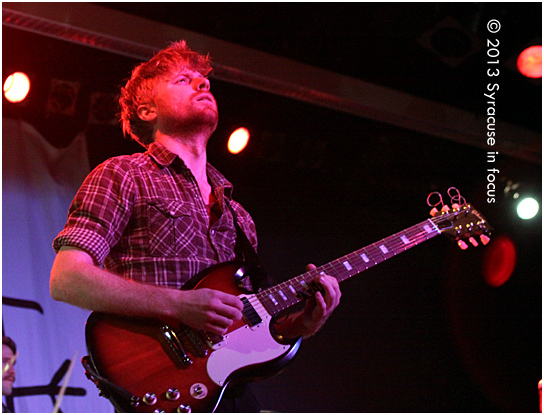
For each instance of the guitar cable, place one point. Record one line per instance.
(105, 386)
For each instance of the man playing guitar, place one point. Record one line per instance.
(141, 226)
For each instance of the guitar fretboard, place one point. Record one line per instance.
(295, 290)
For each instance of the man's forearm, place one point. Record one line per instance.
(76, 280)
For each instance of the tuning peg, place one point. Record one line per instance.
(462, 244)
(434, 211)
(473, 241)
(455, 206)
(445, 208)
(485, 239)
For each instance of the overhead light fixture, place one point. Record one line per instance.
(527, 208)
(238, 140)
(529, 62)
(16, 87)
(525, 202)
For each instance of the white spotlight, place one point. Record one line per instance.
(528, 208)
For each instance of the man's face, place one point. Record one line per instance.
(8, 371)
(184, 104)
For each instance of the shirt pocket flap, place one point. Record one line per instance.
(171, 208)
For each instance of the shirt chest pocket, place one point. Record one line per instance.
(171, 229)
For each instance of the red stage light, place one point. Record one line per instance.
(530, 62)
(499, 261)
(16, 87)
(238, 140)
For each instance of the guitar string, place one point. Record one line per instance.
(337, 266)
(414, 234)
(394, 243)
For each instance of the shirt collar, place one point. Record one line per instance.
(161, 154)
(165, 158)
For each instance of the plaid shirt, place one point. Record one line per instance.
(144, 218)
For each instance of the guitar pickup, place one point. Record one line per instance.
(251, 317)
(193, 342)
(215, 341)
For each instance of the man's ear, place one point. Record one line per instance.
(147, 112)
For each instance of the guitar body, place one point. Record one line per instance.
(180, 369)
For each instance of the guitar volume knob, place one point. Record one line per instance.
(184, 409)
(149, 399)
(172, 394)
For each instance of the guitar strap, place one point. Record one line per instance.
(244, 250)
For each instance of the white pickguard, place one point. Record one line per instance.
(244, 347)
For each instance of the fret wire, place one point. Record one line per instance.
(413, 234)
(275, 291)
(374, 252)
(357, 261)
(288, 293)
(385, 255)
(394, 244)
(337, 268)
(349, 272)
(349, 265)
(339, 271)
(286, 297)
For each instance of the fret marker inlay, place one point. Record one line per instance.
(384, 249)
(347, 265)
(405, 239)
(365, 258)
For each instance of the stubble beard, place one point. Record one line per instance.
(197, 123)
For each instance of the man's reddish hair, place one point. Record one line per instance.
(139, 88)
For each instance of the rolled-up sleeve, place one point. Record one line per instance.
(100, 211)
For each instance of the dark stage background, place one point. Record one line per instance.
(420, 333)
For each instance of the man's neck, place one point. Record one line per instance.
(192, 152)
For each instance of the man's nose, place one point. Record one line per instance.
(201, 83)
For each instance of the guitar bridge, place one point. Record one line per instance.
(175, 346)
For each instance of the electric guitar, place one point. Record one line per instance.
(143, 365)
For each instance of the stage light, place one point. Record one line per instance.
(522, 198)
(529, 62)
(16, 87)
(527, 208)
(238, 140)
(499, 261)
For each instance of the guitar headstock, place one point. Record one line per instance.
(462, 223)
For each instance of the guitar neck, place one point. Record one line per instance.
(286, 294)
